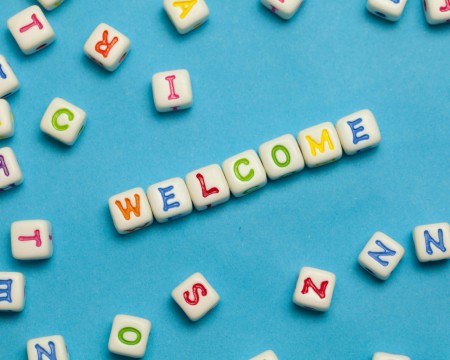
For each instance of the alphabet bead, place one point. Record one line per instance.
(386, 356)
(390, 10)
(437, 11)
(172, 90)
(31, 239)
(285, 9)
(50, 4)
(52, 347)
(432, 242)
(186, 15)
(266, 355)
(6, 120)
(8, 80)
(12, 291)
(10, 173)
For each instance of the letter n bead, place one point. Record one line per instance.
(107, 47)
(314, 289)
(172, 90)
(186, 15)
(10, 173)
(12, 291)
(381, 255)
(129, 336)
(49, 347)
(130, 211)
(31, 30)
(432, 242)
(195, 296)
(63, 121)
(285, 9)
(358, 131)
(437, 11)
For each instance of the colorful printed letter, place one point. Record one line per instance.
(286, 153)
(173, 95)
(195, 289)
(324, 138)
(123, 331)
(356, 130)
(3, 165)
(57, 114)
(5, 290)
(387, 252)
(41, 351)
(103, 47)
(167, 197)
(185, 6)
(35, 22)
(130, 208)
(36, 237)
(319, 291)
(446, 7)
(238, 174)
(2, 74)
(439, 244)
(206, 192)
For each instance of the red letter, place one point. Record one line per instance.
(309, 284)
(35, 22)
(104, 43)
(206, 192)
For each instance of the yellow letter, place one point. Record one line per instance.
(325, 138)
(185, 6)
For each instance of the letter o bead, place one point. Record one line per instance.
(63, 121)
(129, 336)
(245, 173)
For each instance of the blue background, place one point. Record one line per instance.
(255, 77)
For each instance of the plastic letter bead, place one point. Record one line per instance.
(31, 239)
(172, 90)
(381, 255)
(358, 131)
(107, 47)
(432, 242)
(169, 200)
(386, 356)
(285, 9)
(207, 187)
(130, 211)
(129, 336)
(10, 173)
(244, 173)
(8, 80)
(63, 121)
(195, 296)
(320, 144)
(31, 30)
(50, 4)
(387, 9)
(266, 355)
(49, 347)
(437, 11)
(314, 289)
(12, 291)
(281, 157)
(186, 15)
(6, 120)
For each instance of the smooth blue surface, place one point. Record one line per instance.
(255, 77)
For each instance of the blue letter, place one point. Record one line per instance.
(41, 351)
(439, 244)
(6, 290)
(2, 74)
(386, 252)
(166, 197)
(356, 130)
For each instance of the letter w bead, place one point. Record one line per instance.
(308, 283)
(126, 212)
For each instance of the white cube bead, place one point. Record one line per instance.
(107, 47)
(31, 239)
(245, 173)
(195, 296)
(320, 144)
(169, 200)
(12, 291)
(8, 80)
(10, 173)
(387, 9)
(51, 347)
(172, 90)
(358, 131)
(31, 30)
(432, 242)
(381, 255)
(130, 210)
(186, 15)
(314, 289)
(207, 187)
(285, 9)
(386, 356)
(281, 157)
(266, 355)
(129, 336)
(50, 4)
(437, 11)
(6, 120)
(63, 121)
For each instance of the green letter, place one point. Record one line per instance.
(250, 174)
(286, 153)
(57, 114)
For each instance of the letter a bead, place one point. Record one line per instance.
(31, 239)
(266, 355)
(195, 296)
(285, 9)
(130, 211)
(107, 47)
(63, 121)
(31, 30)
(8, 80)
(10, 173)
(49, 347)
(172, 90)
(432, 242)
(437, 11)
(6, 120)
(129, 336)
(186, 15)
(314, 289)
(12, 291)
